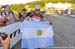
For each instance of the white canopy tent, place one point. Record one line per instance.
(49, 4)
(9, 2)
(58, 5)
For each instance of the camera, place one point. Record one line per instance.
(3, 35)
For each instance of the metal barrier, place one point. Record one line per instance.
(14, 32)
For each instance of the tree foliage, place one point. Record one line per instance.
(55, 1)
(19, 7)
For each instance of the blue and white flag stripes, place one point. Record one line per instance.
(36, 34)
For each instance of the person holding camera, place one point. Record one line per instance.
(5, 43)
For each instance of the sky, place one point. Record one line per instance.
(9, 2)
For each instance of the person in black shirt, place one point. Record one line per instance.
(22, 15)
(36, 15)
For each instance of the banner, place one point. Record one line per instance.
(36, 34)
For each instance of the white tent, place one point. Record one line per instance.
(67, 5)
(9, 2)
(58, 5)
(50, 4)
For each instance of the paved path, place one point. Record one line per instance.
(64, 28)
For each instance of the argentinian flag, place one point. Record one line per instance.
(36, 34)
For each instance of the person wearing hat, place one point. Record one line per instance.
(37, 15)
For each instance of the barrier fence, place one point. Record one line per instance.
(14, 32)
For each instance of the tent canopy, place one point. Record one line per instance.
(58, 5)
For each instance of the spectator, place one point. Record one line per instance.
(9, 15)
(36, 15)
(0, 14)
(1, 19)
(30, 13)
(22, 15)
(5, 43)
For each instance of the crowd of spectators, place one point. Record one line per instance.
(7, 17)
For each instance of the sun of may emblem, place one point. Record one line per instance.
(39, 32)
